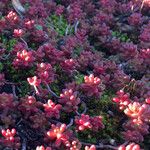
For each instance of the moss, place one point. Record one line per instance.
(88, 134)
(101, 107)
(59, 24)
(102, 104)
(18, 76)
(77, 51)
(111, 130)
(146, 142)
(79, 78)
(122, 36)
(8, 43)
(55, 88)
(24, 88)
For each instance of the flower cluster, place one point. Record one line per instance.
(68, 65)
(45, 73)
(29, 105)
(24, 59)
(137, 125)
(12, 17)
(92, 147)
(91, 86)
(18, 32)
(123, 99)
(35, 82)
(52, 110)
(70, 100)
(86, 122)
(131, 146)
(9, 138)
(43, 148)
(62, 136)
(61, 63)
(137, 110)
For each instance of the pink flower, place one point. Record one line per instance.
(45, 72)
(68, 65)
(12, 16)
(69, 100)
(52, 110)
(133, 110)
(9, 134)
(29, 24)
(83, 122)
(91, 80)
(34, 81)
(91, 86)
(123, 99)
(24, 59)
(131, 146)
(92, 147)
(60, 134)
(147, 100)
(43, 148)
(18, 32)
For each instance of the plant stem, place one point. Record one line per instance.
(67, 29)
(76, 26)
(85, 109)
(14, 91)
(36, 90)
(70, 124)
(51, 92)
(18, 7)
(24, 42)
(24, 144)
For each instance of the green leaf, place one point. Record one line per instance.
(79, 78)
(59, 23)
(10, 44)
